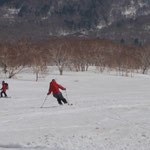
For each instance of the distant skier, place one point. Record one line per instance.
(54, 88)
(4, 88)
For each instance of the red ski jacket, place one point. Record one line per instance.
(4, 88)
(54, 87)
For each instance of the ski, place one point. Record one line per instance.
(6, 97)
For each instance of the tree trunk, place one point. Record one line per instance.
(61, 72)
(37, 76)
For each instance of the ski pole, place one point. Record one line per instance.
(44, 101)
(67, 98)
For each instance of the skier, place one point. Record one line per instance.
(54, 87)
(4, 88)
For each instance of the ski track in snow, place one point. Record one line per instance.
(108, 113)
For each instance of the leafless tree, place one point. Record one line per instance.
(4, 55)
(81, 57)
(144, 56)
(38, 60)
(60, 53)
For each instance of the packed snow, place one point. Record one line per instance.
(109, 112)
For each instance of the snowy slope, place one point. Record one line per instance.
(109, 113)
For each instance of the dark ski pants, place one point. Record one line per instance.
(3, 93)
(60, 98)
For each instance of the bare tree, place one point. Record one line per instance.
(4, 55)
(81, 57)
(60, 52)
(38, 60)
(144, 56)
(12, 58)
(17, 57)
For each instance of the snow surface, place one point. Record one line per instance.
(109, 113)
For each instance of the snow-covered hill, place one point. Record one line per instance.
(109, 113)
(106, 19)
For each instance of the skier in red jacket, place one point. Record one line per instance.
(3, 89)
(54, 88)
